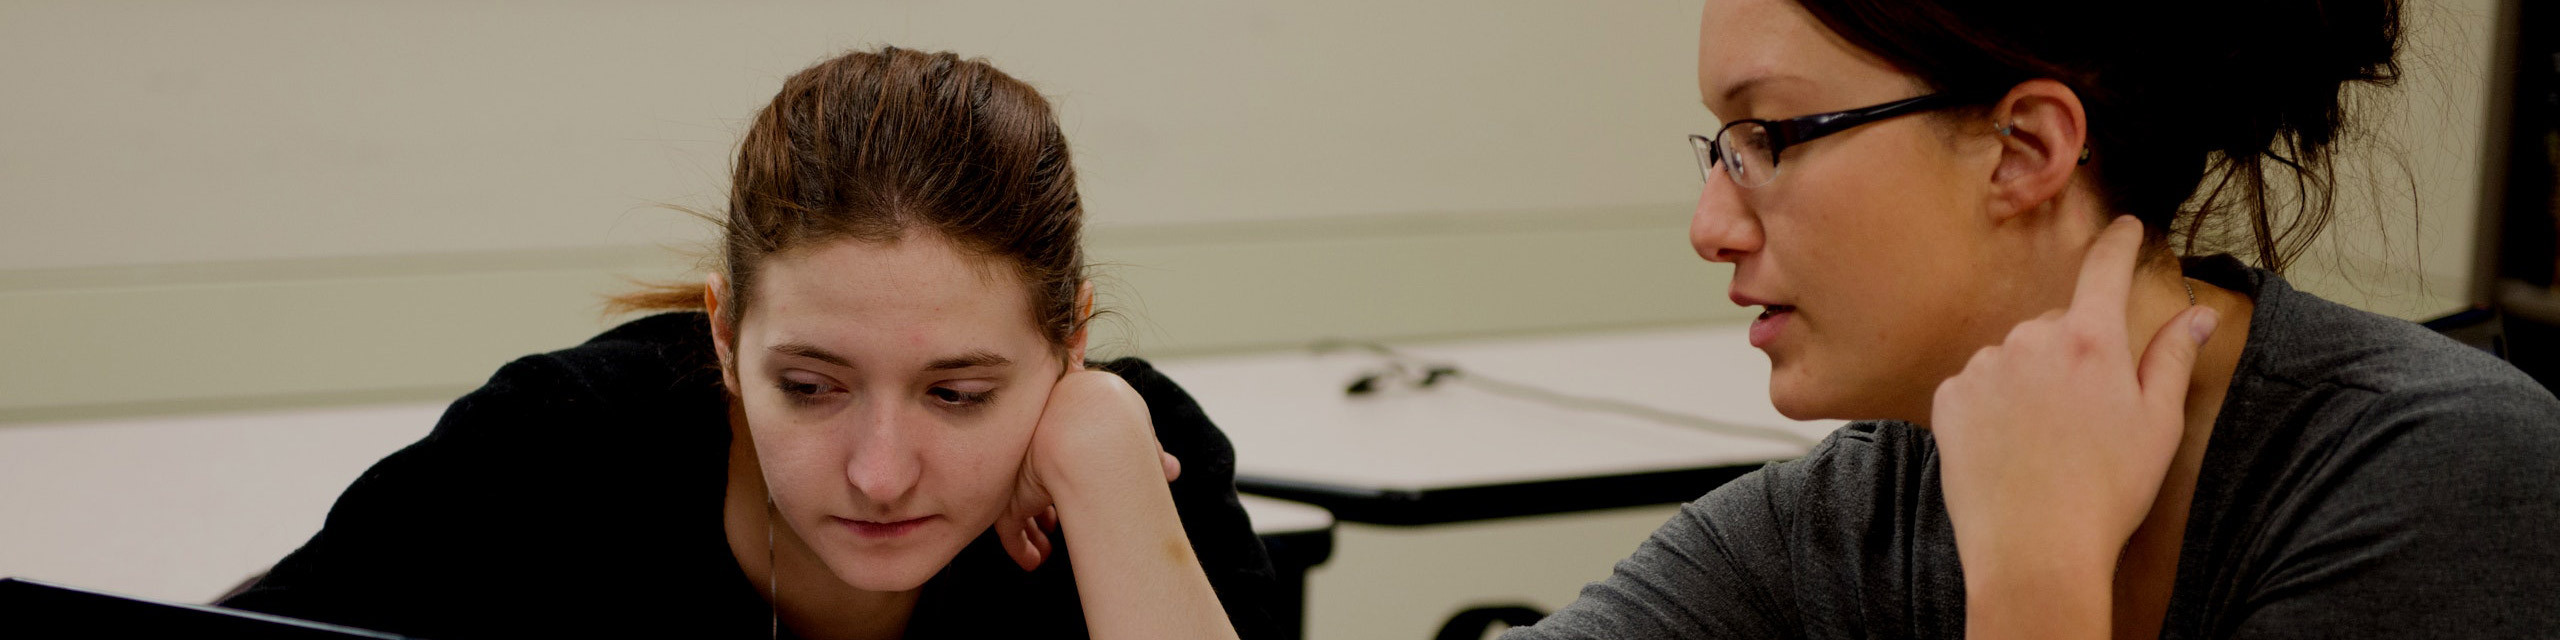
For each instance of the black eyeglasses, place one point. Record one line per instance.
(1749, 149)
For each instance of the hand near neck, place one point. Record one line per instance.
(2147, 571)
(2057, 443)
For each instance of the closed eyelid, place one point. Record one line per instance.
(970, 386)
(961, 398)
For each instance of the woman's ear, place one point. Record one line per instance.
(2042, 130)
(723, 337)
(1084, 320)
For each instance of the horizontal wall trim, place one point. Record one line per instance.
(96, 342)
(50, 414)
(662, 258)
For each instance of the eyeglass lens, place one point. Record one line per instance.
(1746, 154)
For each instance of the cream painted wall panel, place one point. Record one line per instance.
(140, 132)
(2409, 181)
(285, 342)
(216, 174)
(128, 340)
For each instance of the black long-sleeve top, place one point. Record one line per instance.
(579, 493)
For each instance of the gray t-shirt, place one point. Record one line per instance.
(2366, 479)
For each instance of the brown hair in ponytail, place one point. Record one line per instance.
(872, 144)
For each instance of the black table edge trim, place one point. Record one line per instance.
(1402, 507)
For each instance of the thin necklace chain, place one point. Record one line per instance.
(2191, 301)
(772, 594)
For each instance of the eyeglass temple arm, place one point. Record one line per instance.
(1786, 133)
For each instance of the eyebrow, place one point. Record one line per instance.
(968, 360)
(812, 352)
(1733, 92)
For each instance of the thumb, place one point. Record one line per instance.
(2171, 357)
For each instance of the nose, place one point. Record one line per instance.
(886, 459)
(1723, 229)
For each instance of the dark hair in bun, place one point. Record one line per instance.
(2219, 99)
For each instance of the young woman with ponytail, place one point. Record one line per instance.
(874, 419)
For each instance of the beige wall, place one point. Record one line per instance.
(2409, 184)
(276, 203)
(172, 132)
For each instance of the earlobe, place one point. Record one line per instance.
(1083, 319)
(722, 335)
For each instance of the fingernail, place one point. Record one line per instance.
(2203, 324)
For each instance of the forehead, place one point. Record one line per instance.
(898, 299)
(1773, 51)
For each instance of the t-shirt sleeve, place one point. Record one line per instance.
(1221, 534)
(419, 543)
(2431, 518)
(1715, 570)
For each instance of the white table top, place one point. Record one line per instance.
(181, 508)
(89, 503)
(1289, 418)
(1273, 516)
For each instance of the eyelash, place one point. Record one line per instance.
(957, 399)
(804, 394)
(799, 393)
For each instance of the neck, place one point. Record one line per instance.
(2146, 573)
(807, 597)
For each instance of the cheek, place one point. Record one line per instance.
(972, 471)
(796, 458)
(1878, 246)
(1874, 259)
(777, 436)
(1840, 251)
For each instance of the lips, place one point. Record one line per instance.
(1741, 299)
(1772, 321)
(1766, 328)
(884, 528)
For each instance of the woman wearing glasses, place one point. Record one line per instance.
(1995, 231)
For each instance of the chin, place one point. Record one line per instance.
(1793, 393)
(1794, 403)
(1799, 395)
(885, 571)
